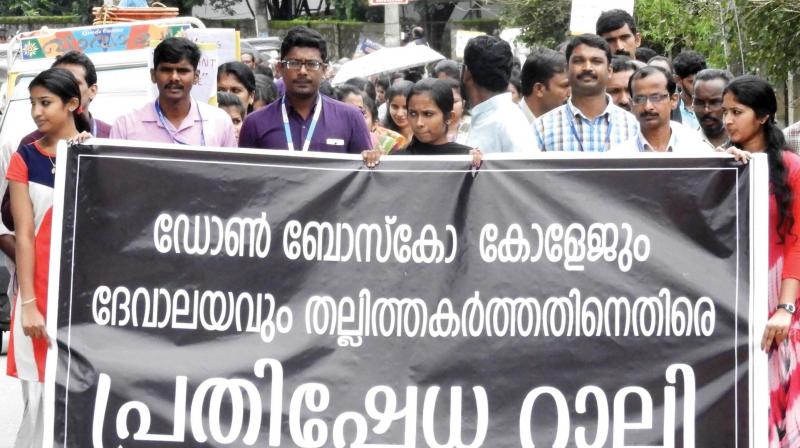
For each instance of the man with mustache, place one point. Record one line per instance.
(174, 117)
(622, 69)
(709, 84)
(303, 119)
(589, 121)
(618, 29)
(653, 94)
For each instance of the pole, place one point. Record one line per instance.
(391, 34)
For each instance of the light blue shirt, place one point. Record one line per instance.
(498, 125)
(687, 115)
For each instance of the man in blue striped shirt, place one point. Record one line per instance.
(589, 122)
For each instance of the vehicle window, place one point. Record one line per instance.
(109, 79)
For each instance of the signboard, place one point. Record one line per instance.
(276, 299)
(96, 39)
(225, 39)
(460, 41)
(585, 13)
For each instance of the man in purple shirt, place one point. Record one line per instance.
(83, 69)
(303, 119)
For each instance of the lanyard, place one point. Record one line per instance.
(94, 127)
(575, 131)
(173, 133)
(311, 129)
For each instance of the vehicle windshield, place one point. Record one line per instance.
(120, 89)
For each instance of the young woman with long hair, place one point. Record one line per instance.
(748, 109)
(55, 99)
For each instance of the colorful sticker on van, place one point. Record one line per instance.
(103, 39)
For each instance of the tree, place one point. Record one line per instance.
(543, 22)
(770, 37)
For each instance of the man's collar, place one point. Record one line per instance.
(645, 145)
(491, 103)
(579, 113)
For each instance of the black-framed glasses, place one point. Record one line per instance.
(655, 98)
(715, 104)
(296, 64)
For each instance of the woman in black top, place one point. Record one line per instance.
(430, 112)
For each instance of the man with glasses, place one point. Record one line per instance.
(653, 95)
(303, 119)
(709, 84)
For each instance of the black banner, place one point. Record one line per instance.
(235, 298)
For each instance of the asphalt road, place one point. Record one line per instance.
(10, 402)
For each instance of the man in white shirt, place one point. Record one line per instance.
(653, 97)
(498, 124)
(545, 84)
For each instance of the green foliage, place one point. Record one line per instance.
(768, 29)
(669, 26)
(40, 20)
(286, 24)
(350, 9)
(771, 37)
(543, 22)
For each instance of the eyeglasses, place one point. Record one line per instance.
(655, 98)
(715, 104)
(294, 64)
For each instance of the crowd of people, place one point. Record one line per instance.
(596, 93)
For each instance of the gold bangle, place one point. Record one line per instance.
(26, 302)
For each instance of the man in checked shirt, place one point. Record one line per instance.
(589, 121)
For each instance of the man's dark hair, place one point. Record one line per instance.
(73, 57)
(383, 81)
(653, 70)
(266, 90)
(540, 66)
(621, 63)
(364, 85)
(613, 20)
(590, 40)
(225, 99)
(644, 54)
(711, 74)
(301, 36)
(342, 91)
(174, 49)
(489, 60)
(447, 66)
(264, 69)
(326, 88)
(688, 63)
(665, 59)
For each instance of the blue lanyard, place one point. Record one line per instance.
(288, 131)
(575, 131)
(173, 132)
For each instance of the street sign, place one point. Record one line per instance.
(387, 2)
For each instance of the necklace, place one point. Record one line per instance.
(52, 162)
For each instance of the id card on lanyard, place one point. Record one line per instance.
(172, 132)
(288, 131)
(577, 136)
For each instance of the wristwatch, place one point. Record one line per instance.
(789, 307)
